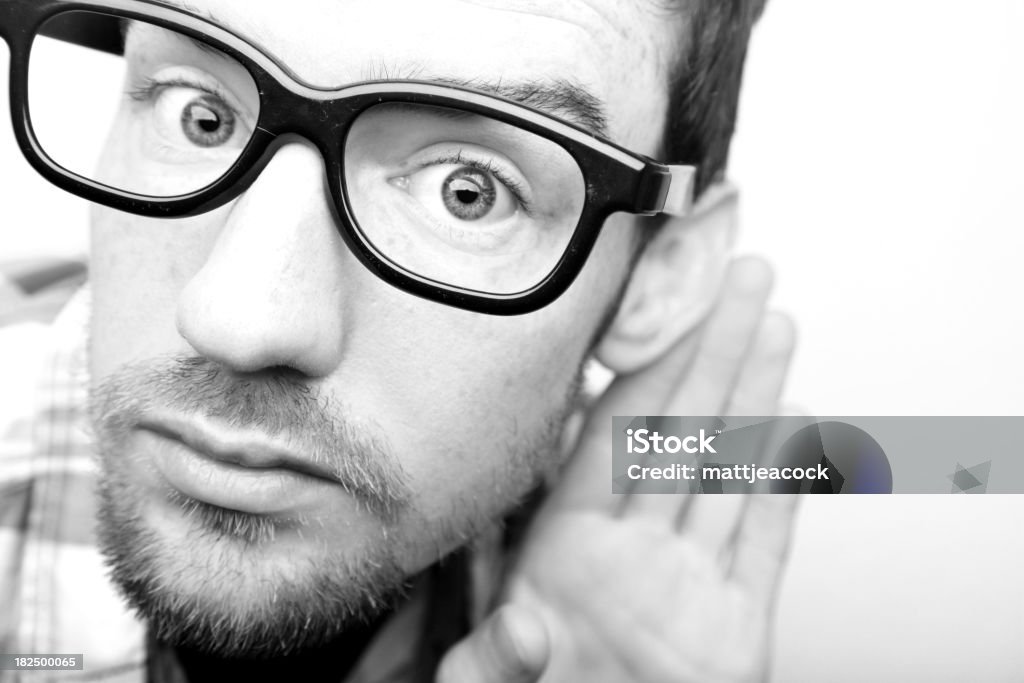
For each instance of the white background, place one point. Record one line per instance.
(881, 156)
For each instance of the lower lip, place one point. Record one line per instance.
(272, 490)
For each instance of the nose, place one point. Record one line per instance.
(271, 291)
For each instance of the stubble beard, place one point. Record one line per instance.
(222, 589)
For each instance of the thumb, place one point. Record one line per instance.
(511, 646)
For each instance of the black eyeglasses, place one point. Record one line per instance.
(449, 193)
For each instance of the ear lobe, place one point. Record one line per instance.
(674, 284)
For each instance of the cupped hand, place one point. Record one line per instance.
(652, 588)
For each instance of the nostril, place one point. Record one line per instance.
(286, 375)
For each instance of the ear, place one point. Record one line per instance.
(674, 284)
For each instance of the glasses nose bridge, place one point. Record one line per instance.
(318, 123)
(286, 118)
(317, 116)
(320, 118)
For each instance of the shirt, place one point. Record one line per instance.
(55, 596)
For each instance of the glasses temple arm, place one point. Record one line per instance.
(679, 199)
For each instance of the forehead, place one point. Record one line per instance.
(617, 50)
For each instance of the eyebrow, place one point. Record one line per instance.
(560, 97)
(563, 98)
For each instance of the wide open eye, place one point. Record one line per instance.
(206, 121)
(469, 194)
(184, 116)
(460, 198)
(463, 192)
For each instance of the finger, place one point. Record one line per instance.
(711, 521)
(762, 542)
(659, 499)
(510, 646)
(764, 372)
(725, 341)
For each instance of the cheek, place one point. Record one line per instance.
(461, 396)
(138, 266)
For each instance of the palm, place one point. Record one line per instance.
(651, 588)
(607, 623)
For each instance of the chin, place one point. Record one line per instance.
(239, 585)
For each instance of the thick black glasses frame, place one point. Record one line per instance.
(615, 178)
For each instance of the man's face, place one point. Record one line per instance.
(282, 432)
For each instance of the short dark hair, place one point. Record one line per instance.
(704, 85)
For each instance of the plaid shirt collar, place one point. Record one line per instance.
(51, 570)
